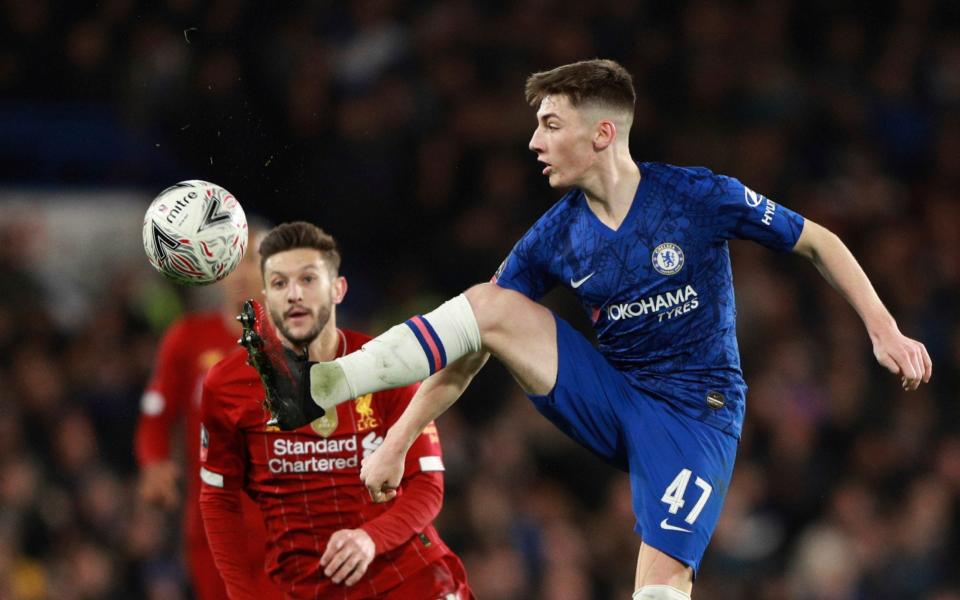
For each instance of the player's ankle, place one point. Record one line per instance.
(329, 384)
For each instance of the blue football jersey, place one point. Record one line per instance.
(659, 290)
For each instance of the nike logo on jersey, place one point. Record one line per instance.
(669, 527)
(579, 282)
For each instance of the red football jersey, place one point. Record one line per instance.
(307, 481)
(188, 349)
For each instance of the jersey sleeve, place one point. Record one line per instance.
(425, 455)
(741, 213)
(164, 398)
(525, 268)
(222, 455)
(421, 490)
(223, 522)
(416, 507)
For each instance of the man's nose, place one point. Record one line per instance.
(534, 144)
(293, 292)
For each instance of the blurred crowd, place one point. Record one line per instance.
(400, 127)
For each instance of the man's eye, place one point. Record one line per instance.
(308, 279)
(278, 284)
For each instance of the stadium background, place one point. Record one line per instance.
(401, 128)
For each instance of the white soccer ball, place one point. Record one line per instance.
(195, 232)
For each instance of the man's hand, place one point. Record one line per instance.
(904, 357)
(285, 374)
(349, 552)
(899, 354)
(382, 471)
(158, 484)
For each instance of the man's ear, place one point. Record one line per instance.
(604, 134)
(339, 289)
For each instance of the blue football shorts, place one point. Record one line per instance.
(679, 467)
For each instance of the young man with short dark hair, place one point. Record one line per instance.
(643, 246)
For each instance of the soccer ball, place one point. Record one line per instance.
(195, 232)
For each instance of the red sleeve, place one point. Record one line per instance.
(425, 455)
(222, 465)
(164, 398)
(222, 452)
(411, 512)
(421, 490)
(223, 522)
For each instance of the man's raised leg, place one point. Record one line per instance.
(521, 333)
(518, 331)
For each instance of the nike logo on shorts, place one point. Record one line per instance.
(669, 527)
(579, 282)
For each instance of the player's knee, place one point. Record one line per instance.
(491, 305)
(659, 592)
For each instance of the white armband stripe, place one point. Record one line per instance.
(431, 463)
(211, 478)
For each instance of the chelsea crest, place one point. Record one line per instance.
(667, 259)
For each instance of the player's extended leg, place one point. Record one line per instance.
(518, 331)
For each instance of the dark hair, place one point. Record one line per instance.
(599, 81)
(300, 234)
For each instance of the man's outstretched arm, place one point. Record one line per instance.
(223, 523)
(383, 470)
(899, 354)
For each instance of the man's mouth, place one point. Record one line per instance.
(295, 313)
